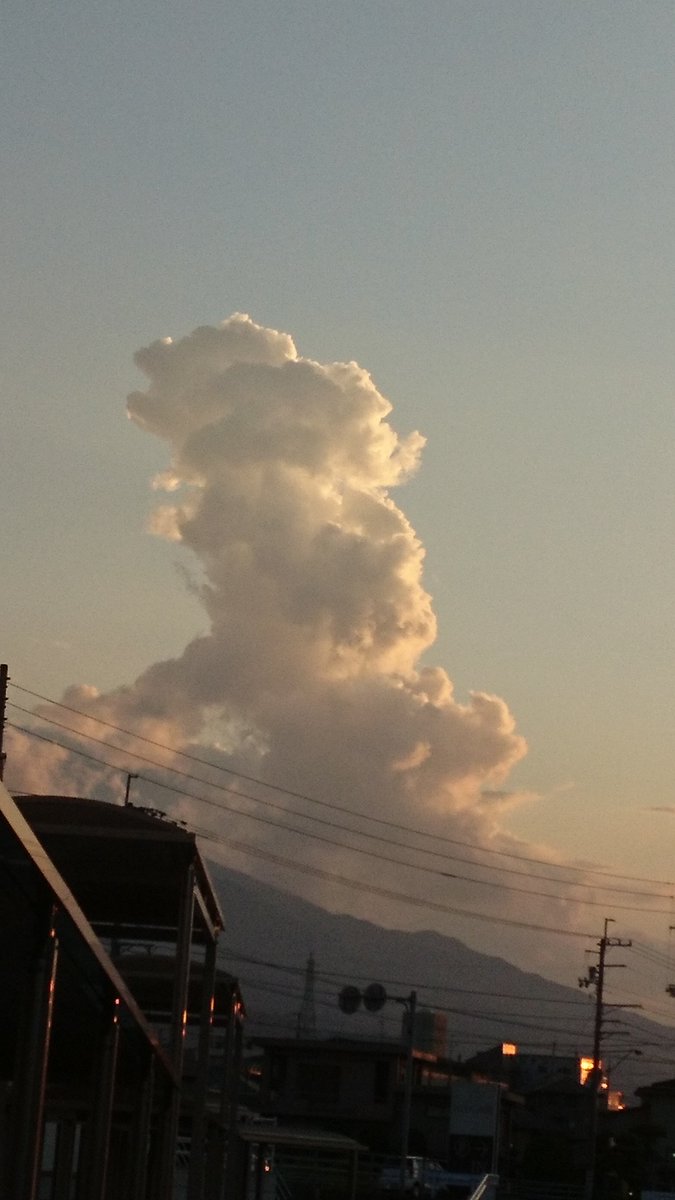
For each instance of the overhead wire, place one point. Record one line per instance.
(222, 806)
(359, 884)
(330, 876)
(404, 983)
(462, 1040)
(431, 870)
(332, 805)
(486, 1015)
(490, 1018)
(337, 825)
(388, 894)
(648, 953)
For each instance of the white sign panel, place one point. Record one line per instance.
(474, 1108)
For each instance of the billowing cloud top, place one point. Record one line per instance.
(310, 674)
(281, 469)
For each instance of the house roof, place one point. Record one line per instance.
(556, 1085)
(299, 1138)
(334, 1045)
(662, 1087)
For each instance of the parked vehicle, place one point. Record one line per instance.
(424, 1177)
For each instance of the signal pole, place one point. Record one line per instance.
(374, 998)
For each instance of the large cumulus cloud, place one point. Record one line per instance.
(313, 671)
(280, 475)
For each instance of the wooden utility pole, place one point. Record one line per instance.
(4, 679)
(596, 978)
(604, 944)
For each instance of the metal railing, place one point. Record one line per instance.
(486, 1189)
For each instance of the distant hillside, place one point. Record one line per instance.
(489, 999)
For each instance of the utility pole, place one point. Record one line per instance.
(4, 679)
(374, 998)
(596, 979)
(410, 1005)
(306, 1023)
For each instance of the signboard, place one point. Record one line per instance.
(474, 1108)
(474, 1126)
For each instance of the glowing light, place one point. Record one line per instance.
(585, 1068)
(509, 1049)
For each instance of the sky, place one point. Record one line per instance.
(472, 202)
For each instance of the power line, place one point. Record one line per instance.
(646, 951)
(489, 1017)
(415, 901)
(341, 879)
(321, 873)
(305, 868)
(463, 1039)
(324, 804)
(421, 867)
(315, 836)
(651, 955)
(399, 983)
(302, 832)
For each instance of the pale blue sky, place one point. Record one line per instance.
(474, 201)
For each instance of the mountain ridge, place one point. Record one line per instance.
(270, 933)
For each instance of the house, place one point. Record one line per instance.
(113, 1114)
(638, 1143)
(84, 1081)
(352, 1087)
(550, 1130)
(357, 1087)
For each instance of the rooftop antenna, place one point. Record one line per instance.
(127, 801)
(670, 987)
